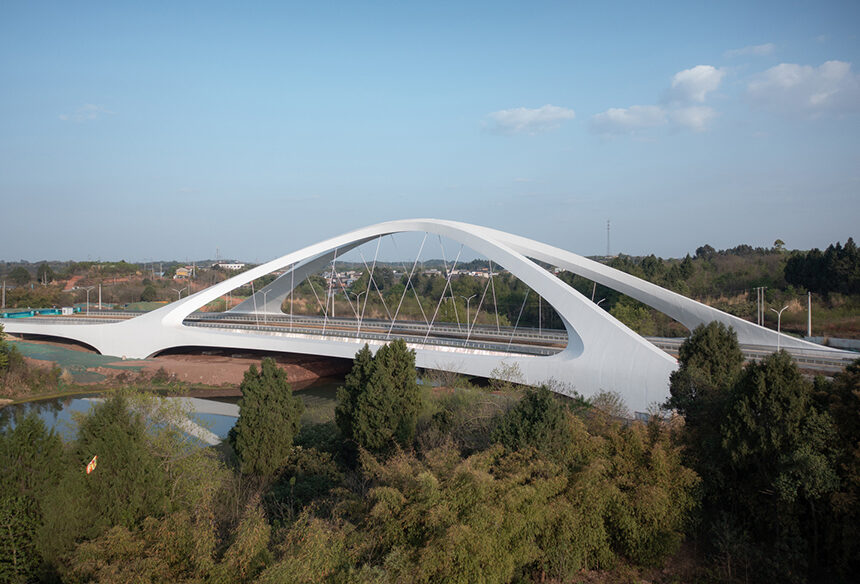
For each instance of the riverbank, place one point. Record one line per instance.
(192, 373)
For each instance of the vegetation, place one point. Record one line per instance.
(379, 403)
(17, 377)
(837, 269)
(764, 440)
(268, 421)
(469, 486)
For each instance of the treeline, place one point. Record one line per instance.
(836, 269)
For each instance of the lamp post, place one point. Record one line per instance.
(778, 323)
(88, 298)
(599, 301)
(265, 312)
(468, 314)
(179, 292)
(357, 304)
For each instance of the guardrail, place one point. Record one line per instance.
(433, 341)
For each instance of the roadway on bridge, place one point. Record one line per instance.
(503, 339)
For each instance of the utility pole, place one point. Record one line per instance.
(4, 294)
(100, 296)
(760, 305)
(809, 313)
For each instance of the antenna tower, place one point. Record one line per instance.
(608, 253)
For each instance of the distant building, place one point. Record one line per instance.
(182, 273)
(230, 266)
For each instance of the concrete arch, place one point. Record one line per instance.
(602, 353)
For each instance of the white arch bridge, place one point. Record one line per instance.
(600, 354)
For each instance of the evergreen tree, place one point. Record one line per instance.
(149, 294)
(30, 458)
(780, 454)
(379, 402)
(269, 417)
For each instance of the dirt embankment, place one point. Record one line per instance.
(216, 369)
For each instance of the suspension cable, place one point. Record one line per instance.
(414, 291)
(513, 332)
(477, 311)
(330, 285)
(314, 290)
(372, 279)
(408, 280)
(450, 274)
(442, 297)
(369, 280)
(495, 304)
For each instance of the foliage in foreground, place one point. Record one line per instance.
(778, 459)
(490, 488)
(465, 499)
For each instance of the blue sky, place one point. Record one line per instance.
(167, 130)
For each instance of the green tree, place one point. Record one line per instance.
(709, 362)
(538, 421)
(20, 276)
(843, 527)
(780, 453)
(635, 315)
(30, 458)
(149, 294)
(44, 273)
(269, 416)
(379, 402)
(129, 483)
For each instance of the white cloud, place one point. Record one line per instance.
(692, 85)
(523, 120)
(753, 51)
(85, 113)
(695, 117)
(628, 120)
(830, 88)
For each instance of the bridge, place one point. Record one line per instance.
(593, 352)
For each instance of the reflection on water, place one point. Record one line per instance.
(59, 413)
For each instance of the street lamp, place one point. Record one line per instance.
(88, 298)
(599, 301)
(179, 292)
(468, 314)
(357, 304)
(778, 323)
